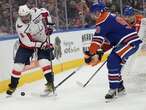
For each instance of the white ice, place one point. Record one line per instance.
(70, 96)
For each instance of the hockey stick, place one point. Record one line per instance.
(85, 84)
(69, 76)
(51, 25)
(51, 64)
(54, 93)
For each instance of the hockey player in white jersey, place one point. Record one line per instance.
(33, 28)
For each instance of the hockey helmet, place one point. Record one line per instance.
(98, 6)
(23, 10)
(128, 11)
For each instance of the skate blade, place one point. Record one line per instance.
(119, 95)
(48, 94)
(111, 100)
(122, 93)
(80, 84)
(8, 96)
(44, 94)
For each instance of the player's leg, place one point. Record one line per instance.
(22, 57)
(117, 58)
(114, 75)
(44, 58)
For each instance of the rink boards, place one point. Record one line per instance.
(68, 51)
(69, 48)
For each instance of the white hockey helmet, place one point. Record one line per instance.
(23, 10)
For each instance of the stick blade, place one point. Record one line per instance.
(80, 84)
(44, 94)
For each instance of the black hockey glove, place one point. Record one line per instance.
(49, 28)
(48, 31)
(47, 46)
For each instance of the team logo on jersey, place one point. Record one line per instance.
(98, 29)
(19, 26)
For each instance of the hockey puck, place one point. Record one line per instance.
(22, 93)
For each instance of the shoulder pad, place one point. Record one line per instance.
(43, 9)
(34, 10)
(102, 17)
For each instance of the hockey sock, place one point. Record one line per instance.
(14, 82)
(49, 77)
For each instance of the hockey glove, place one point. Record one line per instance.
(93, 59)
(47, 46)
(48, 30)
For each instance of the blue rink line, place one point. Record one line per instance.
(15, 36)
(8, 37)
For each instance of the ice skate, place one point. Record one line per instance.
(121, 91)
(49, 90)
(114, 93)
(10, 90)
(111, 94)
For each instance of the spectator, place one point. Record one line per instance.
(78, 13)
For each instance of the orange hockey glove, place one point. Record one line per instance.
(93, 59)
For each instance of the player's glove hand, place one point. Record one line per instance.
(47, 46)
(93, 59)
(48, 30)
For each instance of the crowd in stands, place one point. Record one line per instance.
(67, 14)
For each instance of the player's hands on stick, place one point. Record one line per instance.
(48, 30)
(93, 59)
(46, 46)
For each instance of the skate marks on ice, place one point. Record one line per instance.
(70, 96)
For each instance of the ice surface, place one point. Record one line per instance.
(70, 96)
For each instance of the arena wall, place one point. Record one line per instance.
(68, 51)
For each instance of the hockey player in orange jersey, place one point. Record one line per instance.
(114, 30)
(133, 19)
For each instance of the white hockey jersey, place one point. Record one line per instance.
(33, 34)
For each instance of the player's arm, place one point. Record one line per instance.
(95, 53)
(46, 17)
(47, 21)
(98, 39)
(138, 22)
(27, 41)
